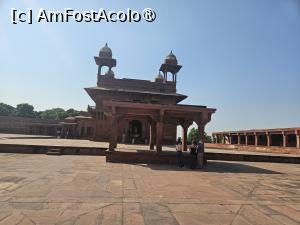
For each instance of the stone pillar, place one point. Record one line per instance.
(284, 139)
(159, 136)
(152, 135)
(63, 132)
(255, 139)
(184, 136)
(268, 139)
(201, 132)
(239, 139)
(113, 138)
(223, 138)
(298, 139)
(230, 139)
(246, 139)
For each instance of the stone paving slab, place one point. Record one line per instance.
(41, 189)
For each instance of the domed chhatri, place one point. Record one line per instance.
(170, 65)
(171, 59)
(105, 59)
(105, 52)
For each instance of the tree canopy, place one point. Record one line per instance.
(55, 114)
(6, 110)
(194, 135)
(24, 110)
(27, 110)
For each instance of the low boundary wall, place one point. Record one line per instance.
(134, 157)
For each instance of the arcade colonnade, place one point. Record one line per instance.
(283, 137)
(157, 115)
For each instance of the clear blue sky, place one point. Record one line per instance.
(239, 56)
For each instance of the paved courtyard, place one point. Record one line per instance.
(41, 189)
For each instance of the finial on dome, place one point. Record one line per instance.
(171, 59)
(105, 52)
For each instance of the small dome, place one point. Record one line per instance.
(159, 77)
(105, 52)
(171, 59)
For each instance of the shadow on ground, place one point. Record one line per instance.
(216, 167)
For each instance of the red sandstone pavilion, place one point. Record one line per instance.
(141, 111)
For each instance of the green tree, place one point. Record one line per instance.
(38, 114)
(55, 114)
(24, 110)
(6, 110)
(208, 138)
(72, 112)
(194, 135)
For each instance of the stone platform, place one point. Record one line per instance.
(127, 153)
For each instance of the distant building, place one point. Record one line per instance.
(280, 137)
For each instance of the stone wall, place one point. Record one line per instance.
(23, 125)
(138, 85)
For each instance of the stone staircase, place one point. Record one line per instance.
(54, 151)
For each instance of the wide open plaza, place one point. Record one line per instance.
(41, 189)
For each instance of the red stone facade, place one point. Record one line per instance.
(23, 125)
(141, 111)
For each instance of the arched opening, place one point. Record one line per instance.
(135, 132)
(168, 76)
(192, 133)
(103, 69)
(262, 139)
(251, 139)
(187, 132)
(291, 140)
(243, 139)
(277, 139)
(219, 139)
(234, 139)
